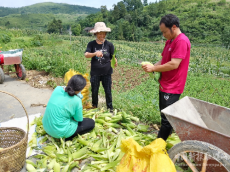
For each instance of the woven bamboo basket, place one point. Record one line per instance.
(13, 140)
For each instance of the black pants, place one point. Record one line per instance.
(166, 99)
(106, 83)
(83, 127)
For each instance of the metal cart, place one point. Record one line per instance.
(204, 129)
(12, 57)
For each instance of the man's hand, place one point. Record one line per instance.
(148, 67)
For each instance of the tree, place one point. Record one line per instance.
(55, 26)
(122, 9)
(132, 5)
(104, 11)
(116, 13)
(76, 29)
(145, 2)
(226, 36)
(7, 23)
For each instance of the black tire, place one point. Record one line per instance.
(2, 76)
(201, 147)
(22, 74)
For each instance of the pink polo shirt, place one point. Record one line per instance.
(174, 81)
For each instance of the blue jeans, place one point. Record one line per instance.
(106, 83)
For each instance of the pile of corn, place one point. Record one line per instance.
(85, 91)
(100, 148)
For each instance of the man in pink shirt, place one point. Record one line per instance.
(173, 67)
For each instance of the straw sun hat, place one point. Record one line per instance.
(100, 27)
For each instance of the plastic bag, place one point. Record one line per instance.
(151, 158)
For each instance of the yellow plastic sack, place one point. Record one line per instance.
(85, 92)
(151, 158)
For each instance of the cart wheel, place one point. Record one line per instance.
(20, 71)
(2, 76)
(199, 156)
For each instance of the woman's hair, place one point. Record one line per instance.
(76, 83)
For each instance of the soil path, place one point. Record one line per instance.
(34, 99)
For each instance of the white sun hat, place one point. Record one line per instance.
(100, 27)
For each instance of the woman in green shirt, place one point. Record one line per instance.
(63, 117)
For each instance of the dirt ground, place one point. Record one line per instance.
(122, 77)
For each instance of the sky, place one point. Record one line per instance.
(89, 3)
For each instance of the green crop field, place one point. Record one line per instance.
(133, 90)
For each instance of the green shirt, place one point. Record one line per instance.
(63, 112)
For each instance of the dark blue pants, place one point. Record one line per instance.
(106, 83)
(166, 99)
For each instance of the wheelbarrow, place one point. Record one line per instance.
(204, 129)
(12, 57)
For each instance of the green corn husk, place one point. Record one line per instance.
(80, 152)
(40, 130)
(73, 164)
(114, 125)
(49, 150)
(172, 140)
(113, 60)
(51, 164)
(57, 167)
(62, 157)
(142, 128)
(65, 169)
(38, 120)
(42, 163)
(105, 115)
(30, 168)
(134, 118)
(131, 131)
(125, 117)
(31, 162)
(98, 157)
(110, 165)
(82, 141)
(100, 121)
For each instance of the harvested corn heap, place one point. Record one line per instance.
(96, 151)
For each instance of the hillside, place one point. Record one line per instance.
(48, 8)
(203, 21)
(38, 16)
(37, 21)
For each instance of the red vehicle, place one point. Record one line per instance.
(12, 57)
